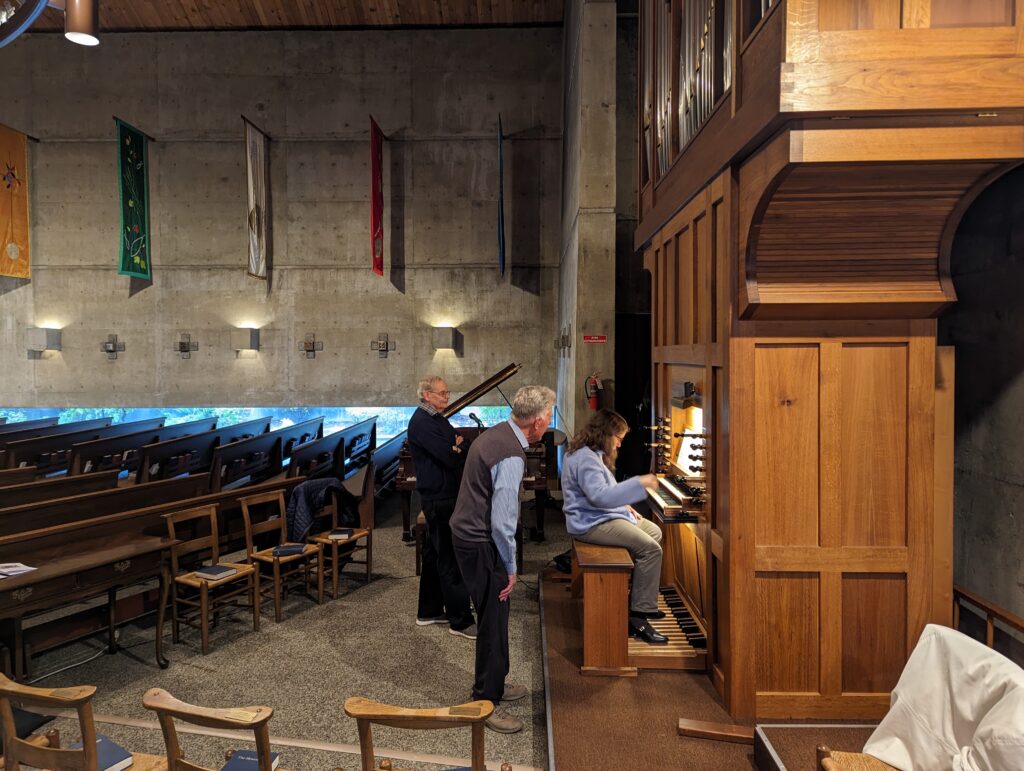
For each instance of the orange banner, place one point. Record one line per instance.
(14, 257)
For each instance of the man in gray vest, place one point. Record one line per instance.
(484, 528)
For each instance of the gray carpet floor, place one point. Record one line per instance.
(364, 643)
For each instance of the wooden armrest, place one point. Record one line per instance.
(159, 700)
(47, 697)
(401, 717)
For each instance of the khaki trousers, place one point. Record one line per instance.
(643, 542)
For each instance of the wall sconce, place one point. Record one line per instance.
(40, 339)
(185, 346)
(444, 337)
(112, 347)
(245, 339)
(82, 21)
(310, 345)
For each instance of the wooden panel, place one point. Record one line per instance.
(858, 14)
(874, 603)
(976, 13)
(786, 444)
(121, 15)
(679, 283)
(787, 632)
(873, 467)
(942, 566)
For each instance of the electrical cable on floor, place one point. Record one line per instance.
(72, 665)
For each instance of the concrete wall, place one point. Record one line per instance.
(586, 303)
(987, 327)
(435, 93)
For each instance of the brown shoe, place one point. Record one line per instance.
(514, 692)
(503, 723)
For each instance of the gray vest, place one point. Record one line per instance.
(471, 520)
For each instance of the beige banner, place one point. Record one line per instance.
(14, 255)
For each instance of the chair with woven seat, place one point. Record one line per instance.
(833, 760)
(203, 597)
(283, 568)
(168, 708)
(339, 551)
(469, 715)
(37, 753)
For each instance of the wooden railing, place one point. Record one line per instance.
(992, 613)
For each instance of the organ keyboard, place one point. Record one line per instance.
(675, 501)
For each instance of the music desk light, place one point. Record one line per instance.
(40, 339)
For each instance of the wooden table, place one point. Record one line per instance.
(96, 566)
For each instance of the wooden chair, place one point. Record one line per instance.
(167, 708)
(340, 551)
(471, 714)
(187, 586)
(38, 752)
(832, 760)
(283, 568)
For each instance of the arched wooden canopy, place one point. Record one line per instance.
(860, 224)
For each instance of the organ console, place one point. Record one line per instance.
(538, 459)
(679, 446)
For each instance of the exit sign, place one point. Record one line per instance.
(595, 338)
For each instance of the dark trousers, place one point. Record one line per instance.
(442, 590)
(485, 575)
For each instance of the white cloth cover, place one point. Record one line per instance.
(958, 705)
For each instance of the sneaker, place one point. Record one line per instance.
(431, 620)
(503, 723)
(469, 632)
(514, 692)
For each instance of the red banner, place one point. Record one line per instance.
(376, 197)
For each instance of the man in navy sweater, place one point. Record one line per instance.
(437, 454)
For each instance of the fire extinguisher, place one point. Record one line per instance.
(592, 387)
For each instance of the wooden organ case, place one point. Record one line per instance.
(804, 165)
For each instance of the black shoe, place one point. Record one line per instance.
(638, 627)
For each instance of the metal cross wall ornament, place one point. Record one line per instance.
(185, 346)
(382, 345)
(311, 345)
(112, 347)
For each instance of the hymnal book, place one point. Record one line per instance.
(340, 533)
(11, 569)
(246, 760)
(215, 572)
(110, 756)
(288, 550)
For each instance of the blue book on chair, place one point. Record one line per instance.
(246, 760)
(340, 533)
(288, 550)
(110, 756)
(215, 572)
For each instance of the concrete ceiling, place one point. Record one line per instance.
(136, 15)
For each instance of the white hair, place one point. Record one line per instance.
(427, 384)
(530, 402)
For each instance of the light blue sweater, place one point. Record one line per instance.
(591, 494)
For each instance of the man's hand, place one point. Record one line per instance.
(504, 593)
(459, 439)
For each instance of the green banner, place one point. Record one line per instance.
(133, 173)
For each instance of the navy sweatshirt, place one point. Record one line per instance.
(438, 467)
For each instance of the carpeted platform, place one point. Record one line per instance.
(791, 747)
(625, 722)
(364, 643)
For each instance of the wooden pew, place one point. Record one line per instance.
(88, 556)
(258, 458)
(51, 453)
(193, 454)
(59, 487)
(7, 437)
(60, 511)
(340, 454)
(16, 476)
(600, 575)
(25, 425)
(122, 452)
(386, 460)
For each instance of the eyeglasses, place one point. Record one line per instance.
(442, 393)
